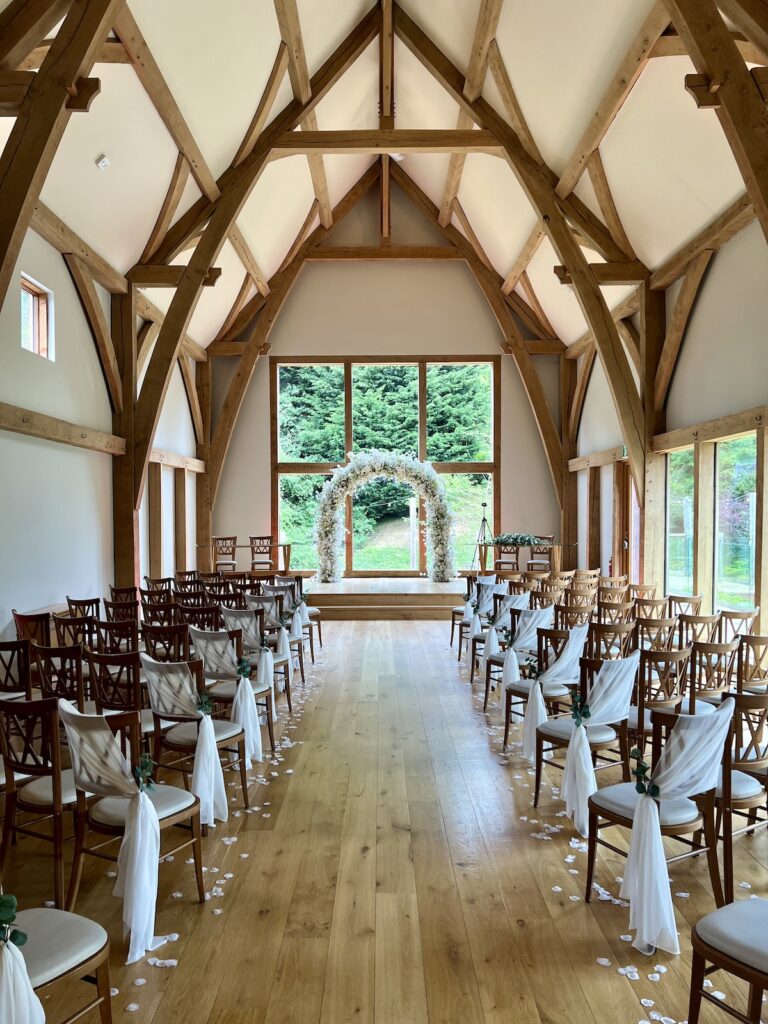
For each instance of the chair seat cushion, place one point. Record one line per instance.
(148, 722)
(312, 612)
(522, 687)
(226, 690)
(622, 799)
(701, 707)
(758, 688)
(17, 775)
(40, 790)
(13, 695)
(497, 660)
(57, 942)
(458, 610)
(739, 931)
(743, 786)
(168, 800)
(562, 728)
(185, 734)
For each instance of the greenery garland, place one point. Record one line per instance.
(518, 540)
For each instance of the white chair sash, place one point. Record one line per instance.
(99, 767)
(529, 622)
(217, 651)
(484, 598)
(172, 694)
(476, 626)
(284, 651)
(491, 646)
(564, 669)
(297, 626)
(18, 1002)
(245, 715)
(511, 671)
(504, 619)
(268, 603)
(608, 701)
(689, 765)
(246, 620)
(304, 613)
(483, 580)
(265, 673)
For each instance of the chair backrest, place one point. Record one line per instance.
(15, 674)
(545, 598)
(219, 650)
(117, 637)
(613, 582)
(523, 586)
(60, 671)
(213, 591)
(121, 611)
(232, 600)
(29, 742)
(195, 598)
(750, 720)
(656, 634)
(551, 643)
(151, 597)
(567, 616)
(544, 547)
(643, 590)
(250, 622)
(712, 672)
(204, 576)
(206, 617)
(662, 679)
(752, 670)
(586, 574)
(34, 626)
(185, 575)
(690, 751)
(579, 597)
(680, 604)
(615, 611)
(124, 593)
(75, 629)
(162, 614)
(288, 588)
(173, 688)
(101, 748)
(115, 681)
(697, 628)
(224, 548)
(653, 608)
(86, 607)
(159, 582)
(183, 587)
(260, 548)
(618, 594)
(609, 640)
(166, 643)
(536, 575)
(735, 624)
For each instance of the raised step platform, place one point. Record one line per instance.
(389, 597)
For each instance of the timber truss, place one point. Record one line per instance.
(43, 81)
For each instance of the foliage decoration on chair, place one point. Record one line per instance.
(363, 469)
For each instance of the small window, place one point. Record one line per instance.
(36, 318)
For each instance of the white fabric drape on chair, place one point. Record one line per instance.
(173, 694)
(504, 619)
(284, 651)
(511, 671)
(268, 603)
(246, 620)
(18, 1002)
(529, 622)
(99, 767)
(491, 646)
(265, 674)
(564, 669)
(608, 701)
(689, 765)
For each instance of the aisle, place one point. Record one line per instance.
(390, 875)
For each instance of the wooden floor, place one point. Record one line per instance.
(390, 873)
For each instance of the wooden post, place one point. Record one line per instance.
(593, 517)
(180, 519)
(761, 528)
(621, 517)
(125, 516)
(653, 328)
(704, 522)
(569, 508)
(203, 510)
(155, 500)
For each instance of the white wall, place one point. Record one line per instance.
(385, 308)
(599, 428)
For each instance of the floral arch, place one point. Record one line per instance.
(363, 469)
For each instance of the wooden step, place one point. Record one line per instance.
(348, 612)
(322, 599)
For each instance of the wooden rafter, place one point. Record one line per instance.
(23, 24)
(678, 323)
(631, 338)
(513, 109)
(240, 300)
(608, 273)
(536, 237)
(146, 338)
(385, 140)
(536, 306)
(740, 108)
(188, 378)
(271, 89)
(597, 176)
(39, 126)
(111, 51)
(290, 31)
(179, 178)
(751, 18)
(485, 30)
(49, 428)
(386, 110)
(469, 231)
(671, 45)
(625, 308)
(99, 328)
(582, 383)
(302, 234)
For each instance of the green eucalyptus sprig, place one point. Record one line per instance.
(143, 772)
(204, 703)
(579, 709)
(518, 540)
(244, 667)
(643, 783)
(7, 917)
(506, 634)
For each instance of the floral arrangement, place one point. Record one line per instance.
(143, 772)
(518, 540)
(7, 918)
(579, 709)
(364, 468)
(643, 783)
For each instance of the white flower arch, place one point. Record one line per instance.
(364, 468)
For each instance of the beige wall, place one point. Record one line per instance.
(386, 309)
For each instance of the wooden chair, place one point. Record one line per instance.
(697, 628)
(158, 583)
(204, 577)
(107, 815)
(752, 665)
(166, 643)
(545, 596)
(205, 617)
(60, 673)
(537, 576)
(155, 597)
(15, 671)
(87, 607)
(563, 577)
(679, 604)
(661, 684)
(261, 553)
(541, 554)
(590, 576)
(161, 614)
(224, 553)
(129, 594)
(712, 675)
(653, 608)
(735, 624)
(550, 645)
(214, 591)
(34, 626)
(609, 640)
(117, 637)
(643, 590)
(618, 595)
(507, 557)
(576, 597)
(731, 939)
(61, 948)
(615, 611)
(185, 575)
(567, 616)
(121, 611)
(35, 782)
(613, 582)
(75, 629)
(523, 586)
(116, 682)
(655, 634)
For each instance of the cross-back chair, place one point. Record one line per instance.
(541, 554)
(655, 634)
(681, 604)
(653, 608)
(261, 552)
(224, 553)
(34, 626)
(166, 643)
(117, 594)
(752, 664)
(117, 637)
(735, 624)
(608, 640)
(711, 676)
(661, 685)
(615, 611)
(121, 611)
(697, 628)
(60, 673)
(15, 670)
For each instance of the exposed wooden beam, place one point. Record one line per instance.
(723, 427)
(267, 101)
(302, 234)
(383, 252)
(485, 30)
(179, 519)
(146, 339)
(536, 306)
(111, 51)
(607, 206)
(14, 86)
(722, 229)
(23, 24)
(626, 308)
(241, 247)
(126, 541)
(751, 18)
(546, 347)
(99, 328)
(612, 100)
(192, 399)
(237, 305)
(176, 461)
(741, 109)
(155, 518)
(681, 314)
(671, 45)
(396, 140)
(513, 110)
(385, 199)
(631, 340)
(290, 31)
(63, 239)
(49, 428)
(603, 458)
(608, 273)
(535, 239)
(469, 231)
(39, 126)
(179, 178)
(582, 383)
(147, 310)
(386, 111)
(160, 275)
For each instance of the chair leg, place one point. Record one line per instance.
(453, 629)
(301, 664)
(473, 658)
(103, 989)
(312, 644)
(461, 641)
(197, 853)
(507, 713)
(320, 631)
(58, 861)
(591, 854)
(9, 822)
(698, 968)
(710, 837)
(270, 724)
(539, 767)
(81, 826)
(487, 685)
(243, 772)
(755, 1004)
(287, 673)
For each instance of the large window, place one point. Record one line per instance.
(446, 412)
(735, 495)
(679, 559)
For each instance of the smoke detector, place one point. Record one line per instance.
(102, 162)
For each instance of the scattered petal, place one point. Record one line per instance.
(131, 1007)
(139, 982)
(604, 961)
(556, 888)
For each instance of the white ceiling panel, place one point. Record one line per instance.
(353, 103)
(450, 24)
(558, 300)
(420, 100)
(325, 24)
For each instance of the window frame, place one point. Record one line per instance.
(42, 318)
(278, 468)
